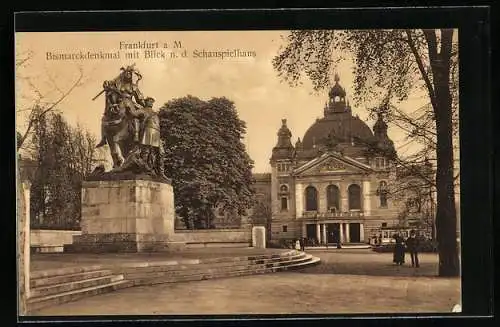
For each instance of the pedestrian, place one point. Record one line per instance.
(399, 250)
(413, 246)
(297, 245)
(302, 245)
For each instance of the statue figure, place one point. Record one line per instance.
(146, 116)
(130, 127)
(121, 92)
(147, 156)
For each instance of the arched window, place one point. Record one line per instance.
(332, 197)
(311, 199)
(382, 193)
(283, 188)
(354, 191)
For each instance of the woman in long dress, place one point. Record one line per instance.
(399, 250)
(297, 245)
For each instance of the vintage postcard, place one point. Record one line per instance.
(238, 172)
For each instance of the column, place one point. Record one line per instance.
(344, 200)
(304, 229)
(347, 237)
(366, 198)
(322, 203)
(24, 244)
(318, 233)
(299, 196)
(341, 229)
(361, 232)
(325, 239)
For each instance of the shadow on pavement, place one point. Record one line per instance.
(372, 269)
(370, 264)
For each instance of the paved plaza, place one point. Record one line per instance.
(347, 281)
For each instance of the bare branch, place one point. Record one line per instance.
(49, 108)
(422, 69)
(21, 60)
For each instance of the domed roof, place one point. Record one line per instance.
(339, 127)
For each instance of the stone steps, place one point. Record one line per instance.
(55, 299)
(312, 261)
(224, 272)
(54, 287)
(62, 279)
(64, 271)
(43, 291)
(160, 269)
(181, 270)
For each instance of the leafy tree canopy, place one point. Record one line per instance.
(206, 158)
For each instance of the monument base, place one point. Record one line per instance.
(122, 243)
(126, 216)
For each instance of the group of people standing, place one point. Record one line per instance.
(411, 244)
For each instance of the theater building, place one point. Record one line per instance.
(332, 183)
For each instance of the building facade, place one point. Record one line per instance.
(332, 184)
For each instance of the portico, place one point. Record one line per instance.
(329, 231)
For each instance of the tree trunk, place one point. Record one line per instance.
(446, 217)
(440, 93)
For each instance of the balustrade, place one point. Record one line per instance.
(332, 214)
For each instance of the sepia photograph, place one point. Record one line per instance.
(238, 172)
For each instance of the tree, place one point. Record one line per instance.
(64, 156)
(416, 195)
(205, 158)
(388, 65)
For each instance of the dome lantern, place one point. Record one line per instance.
(336, 98)
(337, 92)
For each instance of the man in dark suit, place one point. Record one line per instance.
(413, 246)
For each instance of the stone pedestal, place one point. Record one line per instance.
(125, 216)
(259, 237)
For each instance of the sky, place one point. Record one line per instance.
(260, 97)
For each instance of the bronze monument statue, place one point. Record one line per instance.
(131, 128)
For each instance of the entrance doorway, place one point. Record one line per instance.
(333, 232)
(311, 231)
(354, 233)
